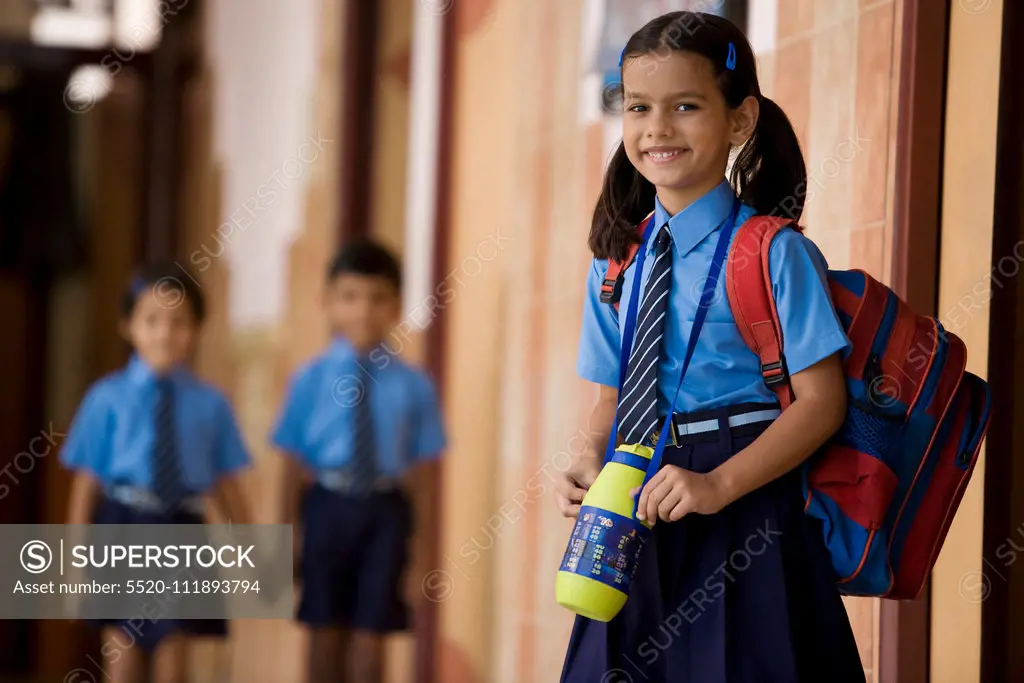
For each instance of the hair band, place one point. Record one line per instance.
(622, 56)
(730, 60)
(138, 284)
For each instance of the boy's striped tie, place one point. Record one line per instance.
(363, 466)
(168, 485)
(638, 404)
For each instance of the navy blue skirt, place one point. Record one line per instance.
(747, 595)
(144, 632)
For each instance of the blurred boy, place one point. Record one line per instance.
(356, 422)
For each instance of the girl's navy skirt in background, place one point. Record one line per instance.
(747, 595)
(144, 632)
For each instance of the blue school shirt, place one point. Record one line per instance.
(113, 431)
(315, 424)
(723, 370)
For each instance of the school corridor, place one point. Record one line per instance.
(246, 139)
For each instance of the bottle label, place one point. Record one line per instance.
(605, 547)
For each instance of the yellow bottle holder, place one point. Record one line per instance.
(604, 549)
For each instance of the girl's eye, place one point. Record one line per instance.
(637, 108)
(686, 107)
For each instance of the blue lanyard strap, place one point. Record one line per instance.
(710, 285)
(628, 331)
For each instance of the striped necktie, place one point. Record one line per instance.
(638, 404)
(363, 466)
(167, 479)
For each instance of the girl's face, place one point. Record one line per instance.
(676, 126)
(162, 328)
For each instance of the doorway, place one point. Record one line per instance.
(82, 191)
(1002, 614)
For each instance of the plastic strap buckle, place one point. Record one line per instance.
(774, 373)
(611, 290)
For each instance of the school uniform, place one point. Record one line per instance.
(746, 595)
(357, 423)
(156, 444)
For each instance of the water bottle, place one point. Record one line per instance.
(604, 549)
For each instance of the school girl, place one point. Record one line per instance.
(152, 444)
(734, 584)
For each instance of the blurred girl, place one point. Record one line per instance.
(152, 444)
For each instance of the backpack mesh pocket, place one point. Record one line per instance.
(870, 434)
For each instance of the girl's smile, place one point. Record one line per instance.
(664, 155)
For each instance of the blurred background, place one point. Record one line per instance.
(247, 138)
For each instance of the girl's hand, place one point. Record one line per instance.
(572, 485)
(674, 492)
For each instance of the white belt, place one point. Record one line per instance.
(710, 425)
(143, 500)
(339, 481)
(688, 428)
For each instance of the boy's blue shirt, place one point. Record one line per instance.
(112, 433)
(723, 370)
(315, 423)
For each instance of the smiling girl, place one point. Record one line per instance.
(735, 584)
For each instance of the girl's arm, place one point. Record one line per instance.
(85, 490)
(86, 452)
(814, 416)
(572, 484)
(232, 460)
(602, 417)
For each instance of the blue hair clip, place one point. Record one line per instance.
(622, 56)
(730, 60)
(138, 284)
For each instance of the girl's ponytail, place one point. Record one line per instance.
(769, 173)
(626, 199)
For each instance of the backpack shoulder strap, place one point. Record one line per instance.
(749, 287)
(611, 287)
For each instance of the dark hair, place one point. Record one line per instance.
(366, 257)
(768, 174)
(170, 280)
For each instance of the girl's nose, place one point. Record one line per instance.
(659, 125)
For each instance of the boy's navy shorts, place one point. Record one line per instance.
(354, 556)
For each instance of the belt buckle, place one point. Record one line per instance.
(672, 436)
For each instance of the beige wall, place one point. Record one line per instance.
(960, 577)
(483, 178)
(391, 136)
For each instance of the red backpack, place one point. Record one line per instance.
(887, 485)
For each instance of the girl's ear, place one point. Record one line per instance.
(744, 121)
